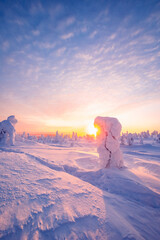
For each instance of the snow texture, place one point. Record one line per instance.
(108, 142)
(7, 131)
(54, 192)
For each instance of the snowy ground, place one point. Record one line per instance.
(50, 192)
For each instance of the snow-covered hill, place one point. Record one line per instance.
(49, 192)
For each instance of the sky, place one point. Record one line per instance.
(62, 63)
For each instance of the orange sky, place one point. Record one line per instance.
(134, 119)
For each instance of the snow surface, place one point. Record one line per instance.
(52, 192)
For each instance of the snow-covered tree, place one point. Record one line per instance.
(141, 140)
(108, 142)
(158, 138)
(7, 130)
(123, 139)
(130, 139)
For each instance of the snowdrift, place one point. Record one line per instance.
(49, 192)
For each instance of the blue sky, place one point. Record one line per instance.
(62, 63)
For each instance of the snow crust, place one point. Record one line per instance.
(108, 142)
(49, 192)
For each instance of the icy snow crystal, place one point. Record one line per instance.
(107, 140)
(7, 130)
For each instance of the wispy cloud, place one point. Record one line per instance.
(35, 32)
(154, 18)
(60, 51)
(36, 7)
(84, 29)
(112, 37)
(83, 56)
(5, 45)
(93, 34)
(70, 21)
(10, 60)
(66, 23)
(46, 45)
(136, 32)
(19, 21)
(67, 36)
(55, 10)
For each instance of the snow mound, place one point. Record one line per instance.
(36, 197)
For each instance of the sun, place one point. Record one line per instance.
(91, 130)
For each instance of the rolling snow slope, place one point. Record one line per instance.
(49, 192)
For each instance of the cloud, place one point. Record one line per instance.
(67, 36)
(84, 29)
(83, 56)
(19, 39)
(55, 10)
(19, 21)
(93, 34)
(136, 32)
(70, 21)
(113, 36)
(36, 7)
(35, 32)
(66, 23)
(10, 60)
(33, 70)
(60, 51)
(154, 18)
(103, 15)
(5, 45)
(147, 39)
(47, 45)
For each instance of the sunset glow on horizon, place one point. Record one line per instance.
(91, 130)
(63, 63)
